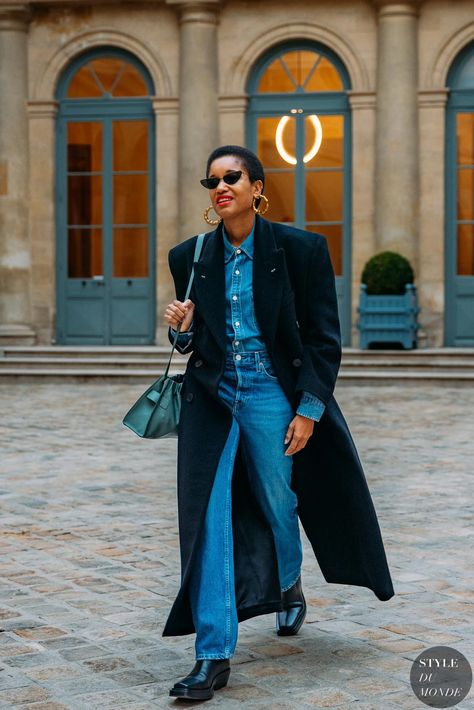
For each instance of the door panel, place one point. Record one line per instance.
(460, 229)
(105, 195)
(305, 157)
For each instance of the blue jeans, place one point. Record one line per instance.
(261, 415)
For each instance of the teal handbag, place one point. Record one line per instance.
(155, 415)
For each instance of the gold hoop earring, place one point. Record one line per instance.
(210, 221)
(258, 209)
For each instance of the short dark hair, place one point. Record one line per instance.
(250, 161)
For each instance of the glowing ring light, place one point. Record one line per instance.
(314, 148)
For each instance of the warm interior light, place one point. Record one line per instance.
(314, 148)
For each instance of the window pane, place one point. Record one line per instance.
(130, 253)
(325, 78)
(107, 75)
(300, 64)
(130, 199)
(131, 83)
(333, 234)
(330, 153)
(280, 190)
(466, 194)
(465, 138)
(108, 71)
(84, 199)
(276, 151)
(324, 196)
(130, 145)
(84, 147)
(276, 79)
(83, 85)
(84, 253)
(300, 68)
(466, 249)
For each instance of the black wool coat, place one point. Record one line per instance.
(295, 304)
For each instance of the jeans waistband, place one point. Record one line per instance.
(247, 357)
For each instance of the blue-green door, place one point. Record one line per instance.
(459, 324)
(105, 206)
(299, 125)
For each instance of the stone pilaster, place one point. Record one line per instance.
(396, 169)
(198, 107)
(15, 258)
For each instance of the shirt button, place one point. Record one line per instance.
(234, 298)
(237, 323)
(237, 272)
(238, 357)
(236, 343)
(238, 251)
(296, 362)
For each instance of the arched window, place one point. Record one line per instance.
(299, 124)
(105, 187)
(460, 201)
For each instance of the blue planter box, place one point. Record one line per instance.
(388, 319)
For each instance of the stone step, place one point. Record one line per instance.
(86, 363)
(159, 363)
(86, 351)
(61, 363)
(156, 351)
(365, 375)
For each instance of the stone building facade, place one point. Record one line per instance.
(362, 112)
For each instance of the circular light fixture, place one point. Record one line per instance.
(314, 148)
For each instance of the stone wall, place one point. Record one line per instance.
(199, 55)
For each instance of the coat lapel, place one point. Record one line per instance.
(268, 280)
(269, 274)
(209, 285)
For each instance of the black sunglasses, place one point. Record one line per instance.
(229, 179)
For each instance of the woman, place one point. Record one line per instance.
(261, 437)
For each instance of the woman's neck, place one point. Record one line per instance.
(238, 229)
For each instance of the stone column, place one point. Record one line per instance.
(198, 107)
(15, 259)
(396, 170)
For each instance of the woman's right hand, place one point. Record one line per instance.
(180, 312)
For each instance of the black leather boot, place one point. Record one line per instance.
(288, 621)
(207, 676)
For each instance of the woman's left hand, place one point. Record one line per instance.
(299, 431)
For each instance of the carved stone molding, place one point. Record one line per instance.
(203, 11)
(43, 109)
(392, 8)
(433, 98)
(360, 100)
(15, 17)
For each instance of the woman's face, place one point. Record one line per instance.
(230, 201)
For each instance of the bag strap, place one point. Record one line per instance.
(197, 254)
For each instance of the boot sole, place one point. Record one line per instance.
(292, 630)
(220, 681)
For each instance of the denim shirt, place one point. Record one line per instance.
(243, 333)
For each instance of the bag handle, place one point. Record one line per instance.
(197, 254)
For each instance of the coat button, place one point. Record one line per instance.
(198, 363)
(296, 362)
(189, 397)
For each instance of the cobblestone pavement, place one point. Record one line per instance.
(89, 559)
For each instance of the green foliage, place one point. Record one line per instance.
(387, 273)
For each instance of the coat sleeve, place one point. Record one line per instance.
(184, 344)
(321, 332)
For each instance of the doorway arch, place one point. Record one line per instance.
(299, 123)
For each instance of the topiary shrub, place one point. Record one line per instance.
(387, 273)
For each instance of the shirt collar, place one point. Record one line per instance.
(246, 246)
